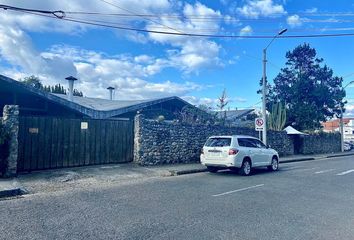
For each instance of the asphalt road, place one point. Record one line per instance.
(307, 200)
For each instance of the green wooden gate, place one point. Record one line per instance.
(46, 142)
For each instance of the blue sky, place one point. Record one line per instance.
(146, 65)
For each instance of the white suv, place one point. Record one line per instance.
(238, 152)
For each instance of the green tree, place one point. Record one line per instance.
(32, 81)
(59, 89)
(78, 93)
(35, 82)
(311, 93)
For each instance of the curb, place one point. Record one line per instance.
(340, 155)
(297, 160)
(189, 171)
(12, 192)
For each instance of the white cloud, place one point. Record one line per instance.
(191, 54)
(311, 10)
(16, 48)
(246, 31)
(231, 20)
(39, 24)
(97, 70)
(195, 54)
(186, 60)
(294, 21)
(349, 110)
(261, 8)
(212, 102)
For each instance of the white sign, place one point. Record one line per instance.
(259, 124)
(84, 125)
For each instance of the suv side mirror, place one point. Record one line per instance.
(268, 146)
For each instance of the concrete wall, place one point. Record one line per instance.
(168, 142)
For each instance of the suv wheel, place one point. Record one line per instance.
(212, 169)
(245, 169)
(275, 164)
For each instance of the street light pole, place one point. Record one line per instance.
(341, 121)
(264, 87)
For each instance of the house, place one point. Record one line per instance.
(232, 115)
(35, 102)
(237, 117)
(331, 126)
(334, 126)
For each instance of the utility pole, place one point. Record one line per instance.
(264, 87)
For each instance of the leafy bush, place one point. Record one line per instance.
(194, 115)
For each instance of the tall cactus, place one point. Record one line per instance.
(277, 117)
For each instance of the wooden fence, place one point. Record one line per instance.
(46, 142)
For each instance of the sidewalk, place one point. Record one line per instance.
(101, 175)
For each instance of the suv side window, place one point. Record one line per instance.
(246, 142)
(258, 143)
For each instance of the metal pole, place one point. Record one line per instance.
(264, 89)
(341, 129)
(71, 89)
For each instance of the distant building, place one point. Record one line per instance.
(240, 117)
(334, 126)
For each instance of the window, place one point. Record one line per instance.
(218, 142)
(258, 143)
(246, 142)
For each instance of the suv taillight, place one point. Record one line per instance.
(233, 151)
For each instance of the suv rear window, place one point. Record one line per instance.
(218, 142)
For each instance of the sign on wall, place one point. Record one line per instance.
(84, 125)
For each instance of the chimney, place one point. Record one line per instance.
(71, 80)
(110, 92)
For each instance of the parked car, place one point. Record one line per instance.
(347, 146)
(238, 152)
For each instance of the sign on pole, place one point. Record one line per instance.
(259, 124)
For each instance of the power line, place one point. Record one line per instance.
(58, 14)
(45, 14)
(115, 5)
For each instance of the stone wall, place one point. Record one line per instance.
(169, 142)
(11, 123)
(320, 143)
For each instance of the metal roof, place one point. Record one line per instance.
(235, 114)
(92, 107)
(100, 104)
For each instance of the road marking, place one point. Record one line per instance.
(238, 190)
(325, 171)
(346, 172)
(306, 169)
(290, 168)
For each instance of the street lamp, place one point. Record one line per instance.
(264, 88)
(341, 120)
